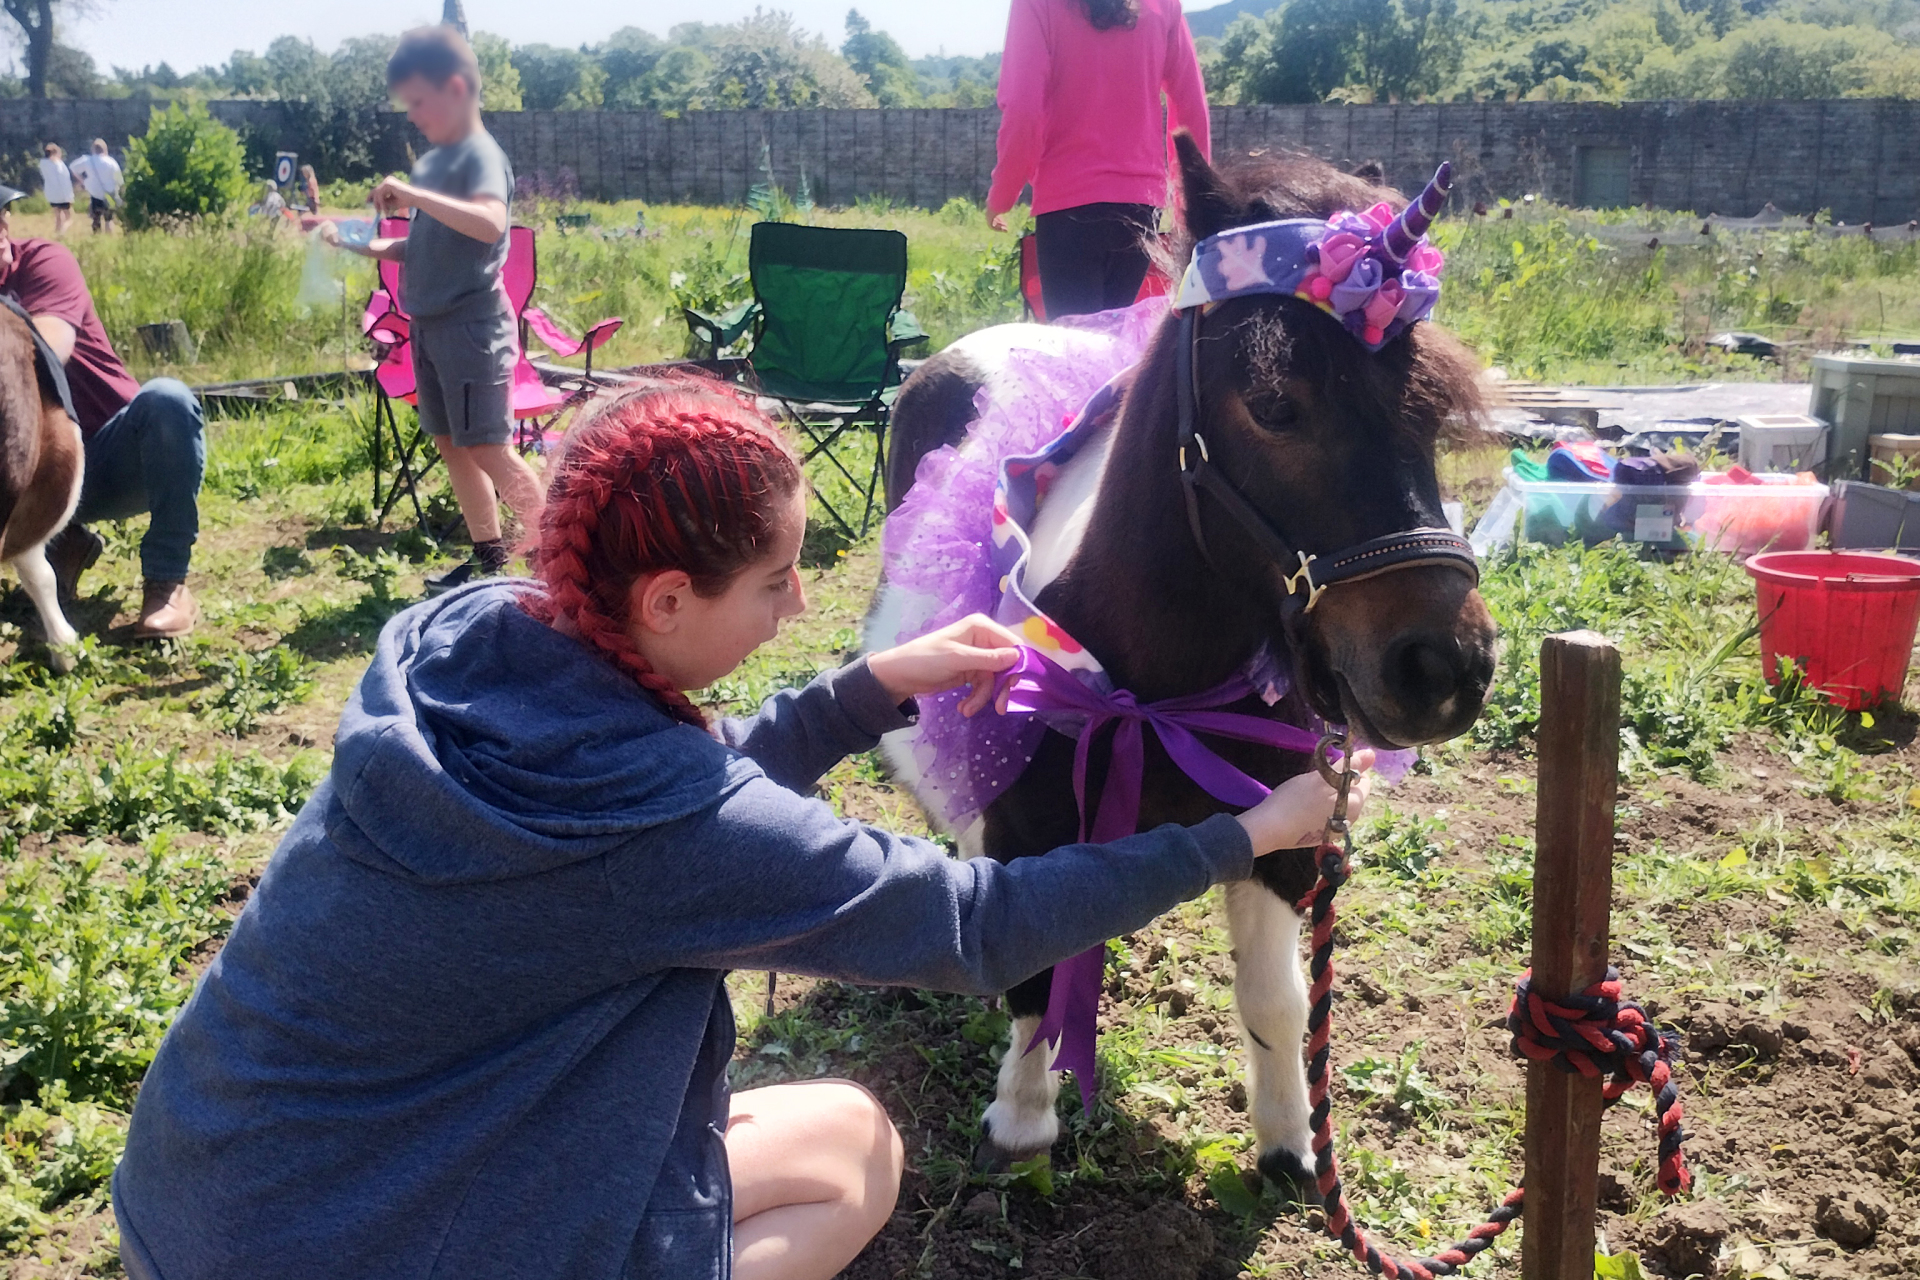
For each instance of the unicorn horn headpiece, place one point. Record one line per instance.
(1374, 272)
(1403, 234)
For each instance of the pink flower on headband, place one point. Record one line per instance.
(1427, 259)
(1382, 309)
(1338, 252)
(1379, 216)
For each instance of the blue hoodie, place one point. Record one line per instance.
(473, 1023)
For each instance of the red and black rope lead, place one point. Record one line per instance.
(1595, 1033)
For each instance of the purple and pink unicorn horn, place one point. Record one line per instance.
(1403, 233)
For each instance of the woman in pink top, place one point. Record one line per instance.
(1080, 86)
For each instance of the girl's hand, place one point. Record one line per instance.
(998, 221)
(971, 652)
(1295, 815)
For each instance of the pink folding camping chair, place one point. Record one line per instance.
(537, 407)
(387, 324)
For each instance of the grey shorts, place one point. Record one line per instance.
(463, 377)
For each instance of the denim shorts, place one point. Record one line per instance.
(463, 376)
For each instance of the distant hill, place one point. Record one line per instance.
(1213, 22)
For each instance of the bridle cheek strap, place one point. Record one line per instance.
(1407, 549)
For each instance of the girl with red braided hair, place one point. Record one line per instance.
(473, 1022)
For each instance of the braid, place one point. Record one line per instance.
(676, 474)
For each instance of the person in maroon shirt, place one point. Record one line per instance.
(145, 445)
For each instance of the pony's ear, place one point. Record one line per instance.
(1208, 205)
(1371, 171)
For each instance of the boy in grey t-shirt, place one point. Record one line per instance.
(464, 342)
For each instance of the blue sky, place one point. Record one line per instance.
(192, 33)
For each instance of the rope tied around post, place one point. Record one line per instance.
(1594, 1033)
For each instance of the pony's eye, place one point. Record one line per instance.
(1274, 412)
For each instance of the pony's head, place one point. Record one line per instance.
(1328, 426)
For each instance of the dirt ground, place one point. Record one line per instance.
(1799, 1083)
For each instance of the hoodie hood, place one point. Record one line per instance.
(484, 745)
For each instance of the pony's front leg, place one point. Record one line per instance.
(1271, 996)
(1021, 1123)
(36, 575)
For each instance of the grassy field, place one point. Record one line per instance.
(1767, 884)
(1539, 293)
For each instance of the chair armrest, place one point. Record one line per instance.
(904, 331)
(724, 329)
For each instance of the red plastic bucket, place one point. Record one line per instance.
(1846, 617)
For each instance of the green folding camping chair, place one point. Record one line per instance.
(828, 331)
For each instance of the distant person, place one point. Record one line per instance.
(310, 187)
(57, 181)
(99, 174)
(145, 445)
(1080, 88)
(272, 203)
(464, 340)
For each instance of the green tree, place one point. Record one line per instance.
(628, 57)
(188, 165)
(1773, 59)
(36, 22)
(678, 82)
(764, 61)
(880, 62)
(499, 78)
(71, 73)
(555, 79)
(1406, 49)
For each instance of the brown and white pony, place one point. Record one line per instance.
(41, 463)
(1333, 446)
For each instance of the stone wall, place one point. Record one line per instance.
(1858, 158)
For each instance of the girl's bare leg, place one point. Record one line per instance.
(816, 1172)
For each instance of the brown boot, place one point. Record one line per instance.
(71, 552)
(167, 611)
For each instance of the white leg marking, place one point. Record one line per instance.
(36, 575)
(972, 839)
(1271, 994)
(1022, 1120)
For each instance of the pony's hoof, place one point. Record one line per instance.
(994, 1156)
(1007, 1137)
(990, 1157)
(1290, 1175)
(62, 659)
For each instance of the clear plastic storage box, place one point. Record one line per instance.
(1779, 513)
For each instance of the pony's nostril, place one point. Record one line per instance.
(1421, 672)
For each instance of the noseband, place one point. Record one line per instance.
(1407, 549)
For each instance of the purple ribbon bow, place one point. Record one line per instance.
(1038, 684)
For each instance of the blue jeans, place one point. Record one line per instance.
(149, 457)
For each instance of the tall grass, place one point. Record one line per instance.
(1544, 296)
(238, 291)
(1550, 293)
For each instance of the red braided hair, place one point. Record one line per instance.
(675, 474)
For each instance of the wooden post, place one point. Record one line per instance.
(1579, 740)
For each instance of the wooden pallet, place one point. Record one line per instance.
(1549, 404)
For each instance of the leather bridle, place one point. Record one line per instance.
(1407, 549)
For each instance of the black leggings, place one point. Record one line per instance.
(1093, 257)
